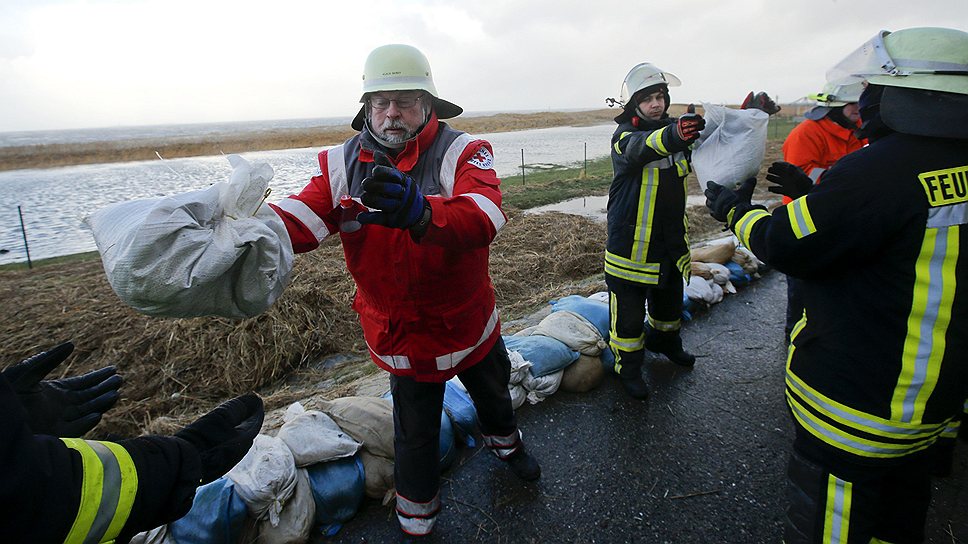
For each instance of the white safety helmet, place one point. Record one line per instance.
(924, 73)
(833, 95)
(643, 76)
(398, 67)
(927, 58)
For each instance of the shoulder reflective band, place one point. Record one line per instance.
(108, 487)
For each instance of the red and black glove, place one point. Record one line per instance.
(760, 101)
(688, 126)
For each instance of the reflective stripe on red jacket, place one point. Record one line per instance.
(815, 146)
(427, 309)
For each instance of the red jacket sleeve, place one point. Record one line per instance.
(309, 216)
(472, 216)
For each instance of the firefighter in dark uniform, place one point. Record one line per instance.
(59, 488)
(647, 253)
(877, 367)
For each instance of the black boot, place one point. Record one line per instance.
(524, 465)
(668, 343)
(629, 365)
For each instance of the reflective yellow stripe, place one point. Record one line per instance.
(92, 477)
(618, 149)
(654, 141)
(665, 326)
(620, 267)
(800, 220)
(927, 324)
(836, 523)
(109, 483)
(644, 214)
(744, 227)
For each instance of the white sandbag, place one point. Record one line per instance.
(573, 330)
(313, 437)
(747, 260)
(295, 519)
(731, 147)
(377, 475)
(518, 395)
(520, 369)
(265, 478)
(700, 290)
(543, 387)
(583, 375)
(718, 273)
(217, 251)
(369, 420)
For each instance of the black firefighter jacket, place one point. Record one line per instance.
(647, 230)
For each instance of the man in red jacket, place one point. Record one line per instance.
(812, 147)
(426, 205)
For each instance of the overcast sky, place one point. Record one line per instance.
(93, 63)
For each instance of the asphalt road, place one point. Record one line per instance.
(702, 460)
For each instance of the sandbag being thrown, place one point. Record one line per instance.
(731, 147)
(217, 251)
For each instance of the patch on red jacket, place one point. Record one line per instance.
(482, 159)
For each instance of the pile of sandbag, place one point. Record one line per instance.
(717, 268)
(311, 476)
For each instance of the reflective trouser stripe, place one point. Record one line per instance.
(503, 446)
(417, 518)
(109, 484)
(837, 512)
(665, 326)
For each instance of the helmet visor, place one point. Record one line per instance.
(868, 60)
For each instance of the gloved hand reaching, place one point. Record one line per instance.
(723, 202)
(224, 435)
(68, 407)
(395, 195)
(789, 179)
(760, 101)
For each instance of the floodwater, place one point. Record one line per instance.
(595, 207)
(54, 201)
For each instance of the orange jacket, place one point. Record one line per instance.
(815, 146)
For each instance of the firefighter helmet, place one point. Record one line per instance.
(643, 76)
(398, 67)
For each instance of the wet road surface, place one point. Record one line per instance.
(702, 460)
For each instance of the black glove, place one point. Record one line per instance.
(224, 435)
(68, 407)
(688, 126)
(789, 179)
(760, 101)
(395, 195)
(722, 202)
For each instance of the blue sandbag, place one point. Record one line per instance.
(448, 447)
(547, 355)
(459, 406)
(217, 516)
(594, 311)
(736, 274)
(338, 491)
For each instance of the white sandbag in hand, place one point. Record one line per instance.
(731, 147)
(216, 251)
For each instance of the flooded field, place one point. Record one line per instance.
(54, 201)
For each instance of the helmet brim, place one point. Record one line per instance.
(817, 113)
(444, 109)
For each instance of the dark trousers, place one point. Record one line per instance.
(831, 499)
(627, 313)
(417, 410)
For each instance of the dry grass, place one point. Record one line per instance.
(177, 368)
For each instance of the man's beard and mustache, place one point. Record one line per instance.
(389, 124)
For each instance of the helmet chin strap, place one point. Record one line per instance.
(394, 145)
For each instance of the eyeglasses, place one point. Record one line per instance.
(380, 103)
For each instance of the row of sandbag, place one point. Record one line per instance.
(311, 476)
(569, 347)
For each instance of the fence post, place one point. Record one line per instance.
(23, 231)
(522, 168)
(584, 168)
